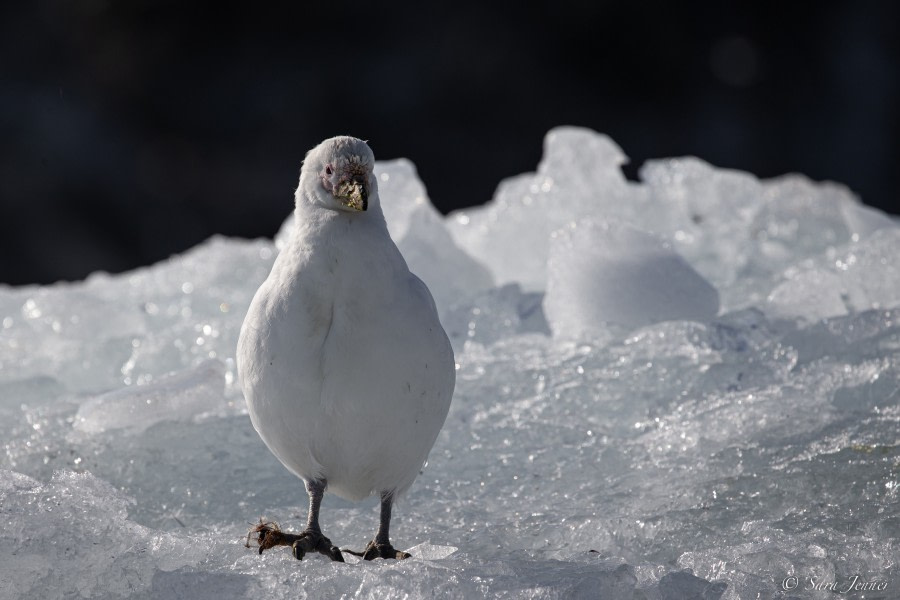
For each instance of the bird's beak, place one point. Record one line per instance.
(354, 193)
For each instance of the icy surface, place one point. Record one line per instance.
(687, 387)
(610, 273)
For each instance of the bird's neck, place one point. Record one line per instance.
(314, 220)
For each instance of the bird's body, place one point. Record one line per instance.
(347, 372)
(347, 369)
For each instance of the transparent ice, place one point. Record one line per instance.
(685, 387)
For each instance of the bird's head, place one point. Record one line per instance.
(337, 174)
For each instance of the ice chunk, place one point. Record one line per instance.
(177, 397)
(45, 328)
(428, 551)
(579, 175)
(800, 218)
(871, 266)
(403, 194)
(856, 277)
(811, 294)
(493, 315)
(106, 331)
(422, 236)
(859, 336)
(450, 274)
(862, 220)
(741, 233)
(608, 272)
(704, 211)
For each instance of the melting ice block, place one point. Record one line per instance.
(740, 232)
(177, 397)
(855, 277)
(604, 272)
(428, 551)
(579, 175)
(705, 211)
(494, 315)
(422, 237)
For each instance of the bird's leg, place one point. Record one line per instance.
(381, 546)
(309, 539)
(312, 538)
(316, 490)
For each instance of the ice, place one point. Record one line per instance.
(705, 212)
(578, 176)
(611, 273)
(490, 316)
(177, 397)
(428, 551)
(811, 294)
(683, 585)
(853, 277)
(687, 387)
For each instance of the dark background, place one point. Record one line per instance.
(133, 130)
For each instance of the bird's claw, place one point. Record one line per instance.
(309, 541)
(374, 551)
(270, 535)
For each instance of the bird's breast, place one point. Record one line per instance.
(341, 352)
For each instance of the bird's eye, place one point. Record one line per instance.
(328, 170)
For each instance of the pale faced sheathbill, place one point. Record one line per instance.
(345, 367)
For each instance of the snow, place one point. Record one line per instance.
(679, 388)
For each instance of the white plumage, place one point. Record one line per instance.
(345, 367)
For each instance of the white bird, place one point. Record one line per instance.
(345, 367)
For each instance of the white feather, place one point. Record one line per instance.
(347, 372)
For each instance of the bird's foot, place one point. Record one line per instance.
(309, 541)
(374, 551)
(270, 535)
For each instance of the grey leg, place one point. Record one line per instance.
(311, 539)
(384, 524)
(381, 546)
(315, 489)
